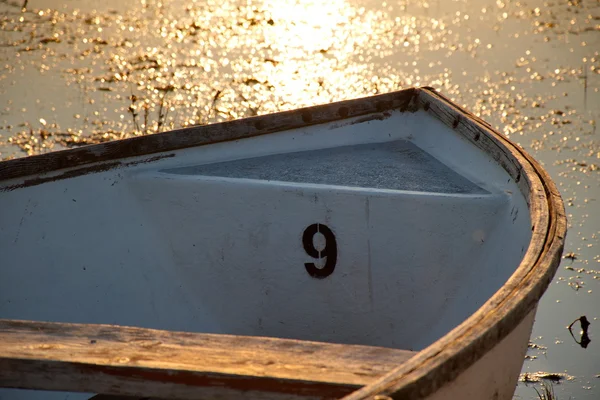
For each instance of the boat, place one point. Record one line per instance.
(389, 247)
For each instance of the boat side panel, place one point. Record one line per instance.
(393, 250)
(79, 250)
(494, 376)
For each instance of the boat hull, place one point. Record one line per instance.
(284, 226)
(495, 375)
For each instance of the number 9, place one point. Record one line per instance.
(329, 251)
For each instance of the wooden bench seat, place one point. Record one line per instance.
(126, 361)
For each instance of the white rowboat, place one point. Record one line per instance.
(393, 246)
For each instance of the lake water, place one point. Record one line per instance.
(80, 71)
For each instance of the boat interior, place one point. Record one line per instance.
(386, 231)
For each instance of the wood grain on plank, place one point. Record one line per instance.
(145, 362)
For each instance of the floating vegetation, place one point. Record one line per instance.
(534, 377)
(546, 392)
(570, 256)
(540, 349)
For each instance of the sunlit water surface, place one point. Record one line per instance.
(79, 72)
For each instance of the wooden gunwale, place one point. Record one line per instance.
(105, 156)
(447, 358)
(441, 362)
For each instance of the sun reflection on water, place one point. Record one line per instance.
(158, 66)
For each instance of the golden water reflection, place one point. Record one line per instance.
(160, 66)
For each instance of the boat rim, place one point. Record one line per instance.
(445, 359)
(453, 353)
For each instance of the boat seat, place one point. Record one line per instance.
(353, 365)
(93, 358)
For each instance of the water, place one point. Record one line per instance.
(78, 72)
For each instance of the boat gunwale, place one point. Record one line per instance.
(456, 351)
(106, 156)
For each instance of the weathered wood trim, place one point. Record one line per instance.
(118, 150)
(177, 365)
(447, 358)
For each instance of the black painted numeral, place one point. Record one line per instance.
(329, 251)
